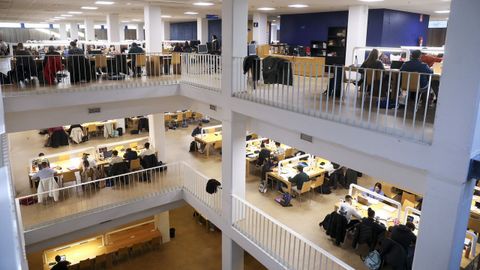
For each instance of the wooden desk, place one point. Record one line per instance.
(291, 171)
(131, 236)
(253, 150)
(304, 65)
(209, 139)
(386, 212)
(472, 260)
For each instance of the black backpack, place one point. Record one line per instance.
(193, 147)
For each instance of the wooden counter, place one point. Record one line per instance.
(304, 65)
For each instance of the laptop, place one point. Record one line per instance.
(396, 64)
(202, 49)
(107, 154)
(363, 200)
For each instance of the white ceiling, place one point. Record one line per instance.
(42, 10)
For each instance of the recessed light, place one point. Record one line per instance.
(91, 8)
(59, 18)
(371, 0)
(136, 20)
(66, 15)
(104, 3)
(166, 16)
(265, 8)
(125, 21)
(274, 20)
(298, 6)
(75, 12)
(205, 4)
(442, 11)
(190, 13)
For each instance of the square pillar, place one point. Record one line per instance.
(162, 223)
(62, 31)
(260, 32)
(73, 30)
(140, 31)
(357, 32)
(202, 30)
(232, 254)
(153, 28)
(274, 31)
(121, 31)
(113, 32)
(156, 133)
(166, 30)
(89, 29)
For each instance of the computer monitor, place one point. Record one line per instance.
(252, 49)
(202, 48)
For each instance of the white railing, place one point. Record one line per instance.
(204, 70)
(389, 101)
(291, 249)
(96, 195)
(195, 183)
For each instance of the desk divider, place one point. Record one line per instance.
(291, 159)
(376, 196)
(211, 127)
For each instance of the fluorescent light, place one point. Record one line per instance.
(125, 21)
(265, 8)
(442, 11)
(205, 4)
(298, 6)
(166, 16)
(66, 15)
(59, 18)
(136, 20)
(371, 0)
(104, 3)
(190, 13)
(75, 12)
(91, 8)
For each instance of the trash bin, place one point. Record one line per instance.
(172, 232)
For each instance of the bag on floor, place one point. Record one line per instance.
(373, 260)
(262, 188)
(28, 201)
(284, 199)
(134, 131)
(193, 146)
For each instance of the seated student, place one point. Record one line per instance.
(377, 188)
(347, 210)
(147, 150)
(44, 172)
(298, 180)
(130, 155)
(368, 231)
(41, 158)
(267, 166)
(372, 61)
(403, 234)
(60, 265)
(279, 151)
(415, 65)
(115, 158)
(263, 155)
(88, 173)
(430, 59)
(197, 130)
(91, 161)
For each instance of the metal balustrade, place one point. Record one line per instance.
(204, 70)
(291, 249)
(389, 101)
(55, 71)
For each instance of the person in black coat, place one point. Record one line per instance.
(130, 155)
(403, 234)
(368, 231)
(263, 155)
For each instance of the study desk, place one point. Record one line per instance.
(470, 262)
(253, 150)
(290, 171)
(385, 212)
(209, 140)
(304, 65)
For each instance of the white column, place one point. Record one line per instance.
(260, 33)
(273, 31)
(232, 254)
(121, 32)
(202, 30)
(166, 30)
(153, 28)
(442, 234)
(62, 30)
(156, 132)
(234, 40)
(113, 24)
(140, 32)
(357, 32)
(89, 29)
(73, 30)
(162, 223)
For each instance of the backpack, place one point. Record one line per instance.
(262, 188)
(284, 199)
(193, 147)
(373, 260)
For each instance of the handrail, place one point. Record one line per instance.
(381, 198)
(292, 232)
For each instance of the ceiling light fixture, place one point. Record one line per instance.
(90, 8)
(66, 15)
(125, 21)
(166, 16)
(204, 4)
(59, 18)
(265, 8)
(136, 20)
(298, 6)
(442, 11)
(190, 13)
(371, 1)
(75, 12)
(104, 3)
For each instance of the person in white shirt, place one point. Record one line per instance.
(91, 161)
(115, 158)
(44, 172)
(347, 210)
(280, 150)
(147, 151)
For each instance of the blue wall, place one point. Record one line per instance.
(301, 29)
(183, 31)
(392, 28)
(214, 28)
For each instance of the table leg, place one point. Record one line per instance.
(208, 149)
